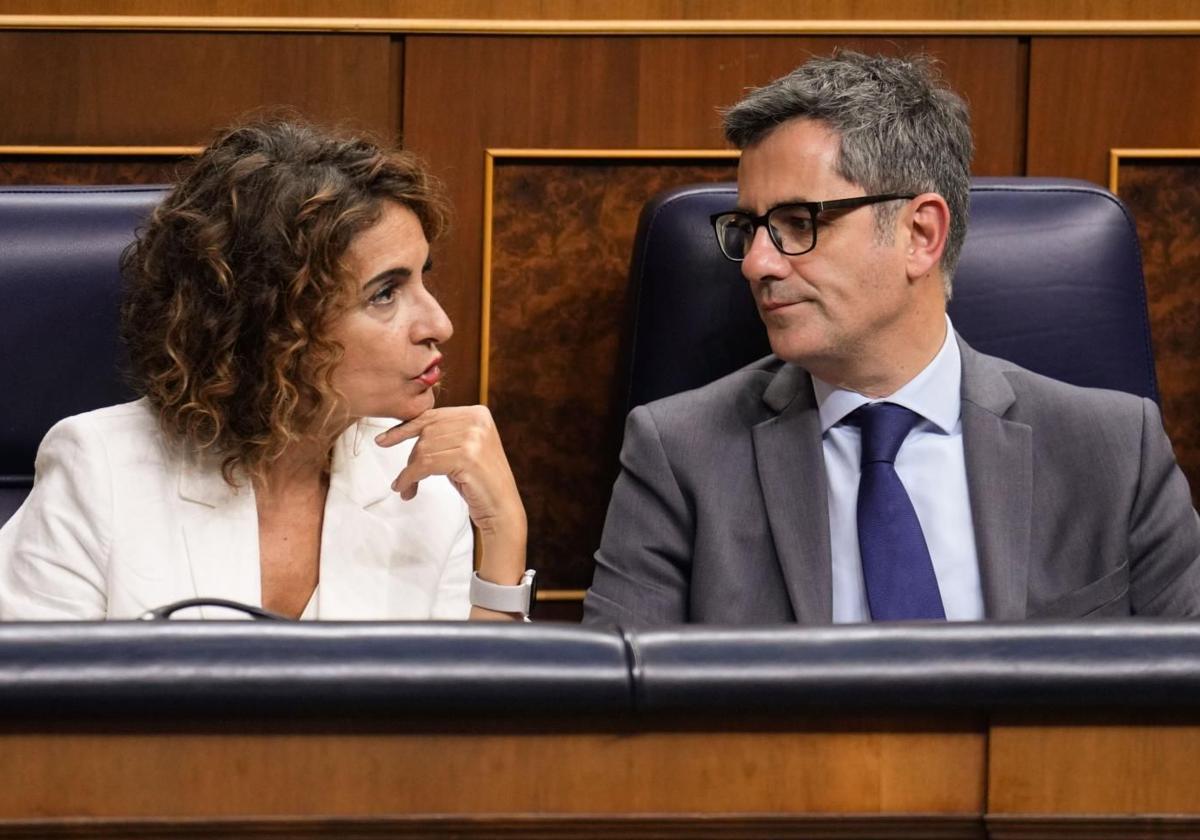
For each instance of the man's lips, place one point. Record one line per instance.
(432, 374)
(772, 305)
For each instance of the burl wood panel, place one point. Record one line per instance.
(465, 94)
(1164, 198)
(142, 89)
(562, 239)
(939, 770)
(1090, 95)
(55, 170)
(1145, 766)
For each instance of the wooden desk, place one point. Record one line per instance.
(188, 738)
(878, 776)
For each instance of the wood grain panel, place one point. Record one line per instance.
(126, 88)
(1076, 767)
(1164, 198)
(466, 94)
(629, 9)
(1090, 95)
(859, 770)
(562, 239)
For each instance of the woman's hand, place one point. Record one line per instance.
(461, 443)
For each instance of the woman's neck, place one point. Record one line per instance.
(302, 469)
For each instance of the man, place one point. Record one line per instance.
(876, 467)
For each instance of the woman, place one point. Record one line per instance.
(276, 303)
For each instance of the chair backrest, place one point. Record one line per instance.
(60, 285)
(1050, 278)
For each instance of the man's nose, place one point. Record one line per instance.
(763, 261)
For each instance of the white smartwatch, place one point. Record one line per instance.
(508, 599)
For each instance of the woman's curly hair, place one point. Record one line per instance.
(232, 285)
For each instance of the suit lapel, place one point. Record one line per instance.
(220, 529)
(999, 458)
(356, 544)
(791, 471)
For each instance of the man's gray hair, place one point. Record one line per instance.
(902, 129)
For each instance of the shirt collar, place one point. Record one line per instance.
(934, 393)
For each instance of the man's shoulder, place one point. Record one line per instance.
(1038, 397)
(737, 395)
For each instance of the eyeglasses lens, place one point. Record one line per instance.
(792, 228)
(735, 233)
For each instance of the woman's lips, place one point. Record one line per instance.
(432, 374)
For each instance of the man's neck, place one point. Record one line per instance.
(887, 367)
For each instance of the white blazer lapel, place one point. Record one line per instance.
(220, 529)
(356, 545)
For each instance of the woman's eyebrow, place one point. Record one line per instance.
(391, 273)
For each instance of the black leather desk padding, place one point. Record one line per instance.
(392, 670)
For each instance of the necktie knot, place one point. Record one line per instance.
(884, 427)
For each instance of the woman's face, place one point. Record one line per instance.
(393, 327)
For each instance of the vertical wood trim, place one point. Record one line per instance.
(485, 303)
(1025, 68)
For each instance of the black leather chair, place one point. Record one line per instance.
(60, 283)
(1050, 278)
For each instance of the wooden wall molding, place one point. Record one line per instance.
(1091, 828)
(1115, 156)
(541, 827)
(445, 26)
(100, 151)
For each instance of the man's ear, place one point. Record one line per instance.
(928, 227)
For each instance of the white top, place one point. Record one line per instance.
(120, 522)
(932, 467)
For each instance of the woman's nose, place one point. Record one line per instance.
(434, 324)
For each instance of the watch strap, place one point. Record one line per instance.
(501, 598)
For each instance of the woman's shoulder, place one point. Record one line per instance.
(129, 429)
(126, 417)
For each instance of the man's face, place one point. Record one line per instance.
(831, 308)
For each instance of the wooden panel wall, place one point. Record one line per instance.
(1091, 95)
(160, 88)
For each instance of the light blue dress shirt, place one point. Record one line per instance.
(933, 470)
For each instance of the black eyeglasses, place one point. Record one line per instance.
(792, 227)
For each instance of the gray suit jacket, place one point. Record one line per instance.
(720, 512)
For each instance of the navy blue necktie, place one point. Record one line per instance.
(895, 559)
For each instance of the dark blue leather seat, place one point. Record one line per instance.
(1050, 278)
(60, 283)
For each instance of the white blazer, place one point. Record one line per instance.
(119, 522)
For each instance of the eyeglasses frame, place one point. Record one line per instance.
(814, 208)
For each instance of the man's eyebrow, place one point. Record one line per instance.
(749, 212)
